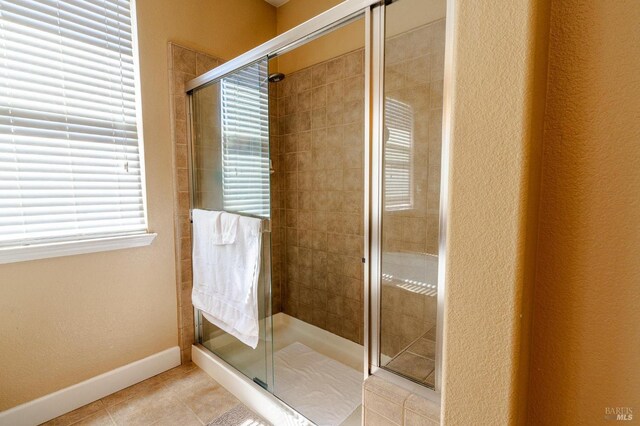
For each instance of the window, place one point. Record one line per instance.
(71, 164)
(398, 153)
(245, 141)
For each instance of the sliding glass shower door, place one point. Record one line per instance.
(231, 172)
(410, 159)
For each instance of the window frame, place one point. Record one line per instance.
(52, 248)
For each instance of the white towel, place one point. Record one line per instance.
(226, 268)
(225, 227)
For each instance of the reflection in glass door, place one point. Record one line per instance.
(230, 166)
(411, 159)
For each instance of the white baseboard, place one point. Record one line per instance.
(68, 399)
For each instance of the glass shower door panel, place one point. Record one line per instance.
(411, 158)
(230, 172)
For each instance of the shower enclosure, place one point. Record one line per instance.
(340, 156)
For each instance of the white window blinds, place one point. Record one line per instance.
(70, 155)
(398, 152)
(245, 140)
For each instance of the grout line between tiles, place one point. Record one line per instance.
(421, 415)
(111, 417)
(188, 408)
(385, 417)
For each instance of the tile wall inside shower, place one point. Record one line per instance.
(317, 188)
(318, 193)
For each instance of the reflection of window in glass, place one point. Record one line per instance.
(398, 153)
(245, 141)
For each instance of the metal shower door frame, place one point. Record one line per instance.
(374, 202)
(340, 15)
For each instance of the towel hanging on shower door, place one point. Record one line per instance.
(226, 268)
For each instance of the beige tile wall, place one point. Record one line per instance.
(405, 317)
(387, 404)
(184, 65)
(320, 160)
(319, 164)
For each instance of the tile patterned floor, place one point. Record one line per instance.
(418, 359)
(183, 396)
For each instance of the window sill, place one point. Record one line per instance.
(70, 248)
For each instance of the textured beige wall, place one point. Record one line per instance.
(499, 80)
(586, 331)
(222, 28)
(67, 319)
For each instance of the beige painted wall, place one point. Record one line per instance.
(295, 12)
(586, 331)
(413, 13)
(67, 319)
(496, 132)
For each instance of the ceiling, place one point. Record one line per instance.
(277, 3)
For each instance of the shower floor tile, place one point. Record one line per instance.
(417, 361)
(423, 347)
(184, 395)
(412, 365)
